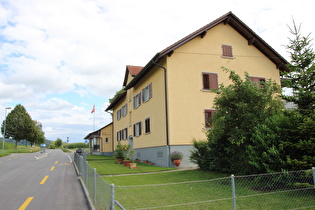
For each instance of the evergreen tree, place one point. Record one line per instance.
(299, 143)
(300, 76)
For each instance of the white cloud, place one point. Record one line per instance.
(58, 58)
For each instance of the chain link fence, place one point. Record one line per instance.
(285, 190)
(100, 192)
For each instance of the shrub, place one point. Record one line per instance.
(200, 154)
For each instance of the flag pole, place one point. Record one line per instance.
(94, 119)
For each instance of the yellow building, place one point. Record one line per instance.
(167, 102)
(101, 141)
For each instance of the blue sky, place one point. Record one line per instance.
(59, 58)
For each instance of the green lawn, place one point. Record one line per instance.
(190, 189)
(107, 166)
(10, 148)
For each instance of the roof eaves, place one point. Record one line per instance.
(143, 72)
(116, 100)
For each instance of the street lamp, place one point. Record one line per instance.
(5, 119)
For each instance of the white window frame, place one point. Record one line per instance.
(137, 129)
(137, 100)
(147, 93)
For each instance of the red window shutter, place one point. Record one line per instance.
(206, 81)
(227, 51)
(213, 81)
(208, 115)
(210, 81)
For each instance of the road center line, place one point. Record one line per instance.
(52, 168)
(44, 180)
(56, 162)
(25, 204)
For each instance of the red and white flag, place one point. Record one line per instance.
(93, 109)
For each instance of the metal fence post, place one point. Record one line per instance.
(81, 166)
(313, 172)
(86, 174)
(233, 192)
(94, 185)
(112, 206)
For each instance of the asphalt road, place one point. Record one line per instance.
(36, 181)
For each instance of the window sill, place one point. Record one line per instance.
(226, 57)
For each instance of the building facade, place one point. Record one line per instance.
(166, 104)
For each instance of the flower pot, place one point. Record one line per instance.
(119, 160)
(127, 163)
(133, 165)
(176, 162)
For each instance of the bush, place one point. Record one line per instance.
(200, 154)
(77, 145)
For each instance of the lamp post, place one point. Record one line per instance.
(5, 119)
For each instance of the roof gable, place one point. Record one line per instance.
(236, 24)
(132, 71)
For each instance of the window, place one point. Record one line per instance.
(257, 79)
(210, 81)
(124, 110)
(106, 141)
(124, 134)
(119, 114)
(137, 100)
(227, 51)
(147, 93)
(147, 125)
(208, 116)
(118, 135)
(137, 129)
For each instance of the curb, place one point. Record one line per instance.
(85, 191)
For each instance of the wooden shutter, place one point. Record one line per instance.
(140, 128)
(147, 125)
(210, 81)
(206, 81)
(134, 129)
(227, 51)
(150, 90)
(208, 115)
(213, 78)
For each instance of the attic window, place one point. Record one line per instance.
(227, 51)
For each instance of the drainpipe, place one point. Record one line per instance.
(166, 110)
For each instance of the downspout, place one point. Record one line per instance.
(166, 110)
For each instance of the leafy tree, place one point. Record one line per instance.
(301, 74)
(19, 124)
(58, 142)
(38, 135)
(245, 136)
(117, 94)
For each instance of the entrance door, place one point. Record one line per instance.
(130, 141)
